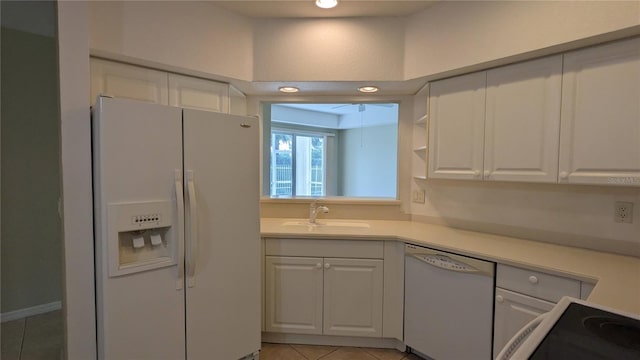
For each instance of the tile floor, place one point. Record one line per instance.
(314, 352)
(37, 337)
(40, 337)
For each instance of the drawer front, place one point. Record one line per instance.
(512, 312)
(537, 284)
(364, 249)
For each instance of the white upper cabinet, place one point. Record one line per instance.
(572, 118)
(200, 94)
(237, 101)
(456, 127)
(600, 133)
(522, 122)
(138, 83)
(128, 81)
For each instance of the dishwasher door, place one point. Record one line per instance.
(448, 305)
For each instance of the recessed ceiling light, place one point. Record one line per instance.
(326, 4)
(368, 89)
(288, 89)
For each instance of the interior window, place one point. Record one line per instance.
(332, 150)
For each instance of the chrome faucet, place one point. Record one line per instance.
(314, 209)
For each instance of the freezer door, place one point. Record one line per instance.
(137, 148)
(222, 246)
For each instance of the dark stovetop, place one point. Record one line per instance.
(586, 333)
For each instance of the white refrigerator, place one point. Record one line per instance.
(177, 243)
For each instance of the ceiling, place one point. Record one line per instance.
(307, 8)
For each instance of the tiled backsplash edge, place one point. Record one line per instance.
(338, 209)
(581, 241)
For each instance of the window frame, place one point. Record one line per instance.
(282, 129)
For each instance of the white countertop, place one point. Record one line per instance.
(617, 276)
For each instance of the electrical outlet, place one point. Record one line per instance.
(418, 196)
(623, 212)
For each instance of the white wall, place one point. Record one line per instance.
(368, 163)
(202, 39)
(188, 35)
(75, 137)
(456, 34)
(372, 115)
(328, 49)
(568, 214)
(304, 117)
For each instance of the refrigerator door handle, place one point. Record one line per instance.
(192, 247)
(180, 231)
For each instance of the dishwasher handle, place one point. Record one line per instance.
(447, 263)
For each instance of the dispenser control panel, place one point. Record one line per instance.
(140, 215)
(140, 236)
(146, 219)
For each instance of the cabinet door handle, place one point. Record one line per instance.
(499, 299)
(476, 173)
(487, 173)
(318, 266)
(533, 279)
(564, 175)
(327, 265)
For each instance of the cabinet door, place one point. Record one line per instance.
(523, 121)
(600, 131)
(237, 101)
(128, 82)
(293, 287)
(200, 94)
(456, 127)
(353, 297)
(512, 312)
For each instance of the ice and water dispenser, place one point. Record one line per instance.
(140, 236)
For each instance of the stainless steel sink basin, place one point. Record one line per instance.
(328, 224)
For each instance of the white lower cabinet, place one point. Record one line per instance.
(523, 294)
(352, 297)
(512, 312)
(324, 296)
(333, 287)
(293, 294)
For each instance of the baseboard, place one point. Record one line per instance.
(326, 340)
(30, 311)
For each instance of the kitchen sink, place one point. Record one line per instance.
(329, 224)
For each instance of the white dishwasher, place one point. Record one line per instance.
(448, 305)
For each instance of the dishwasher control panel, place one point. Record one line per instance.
(445, 262)
(449, 261)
